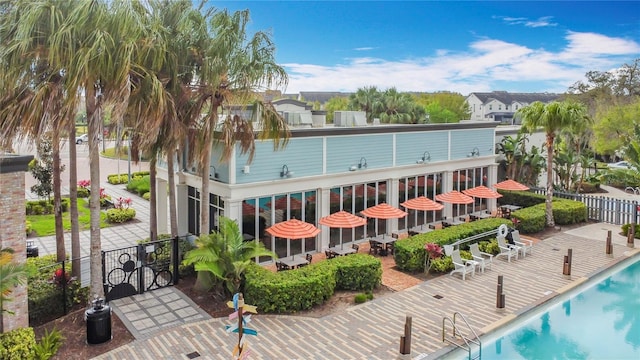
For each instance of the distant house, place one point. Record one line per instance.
(320, 96)
(501, 105)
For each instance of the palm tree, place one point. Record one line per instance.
(552, 117)
(233, 68)
(367, 99)
(41, 107)
(225, 255)
(11, 275)
(396, 107)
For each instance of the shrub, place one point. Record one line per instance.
(83, 192)
(625, 230)
(120, 215)
(409, 254)
(146, 196)
(48, 345)
(45, 207)
(116, 179)
(522, 198)
(533, 219)
(301, 289)
(46, 295)
(17, 344)
(445, 264)
(360, 298)
(139, 185)
(28, 227)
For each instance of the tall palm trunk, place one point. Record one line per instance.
(173, 218)
(153, 213)
(549, 199)
(73, 203)
(61, 253)
(94, 118)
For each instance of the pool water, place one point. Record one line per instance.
(600, 322)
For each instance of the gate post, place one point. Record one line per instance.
(105, 285)
(142, 260)
(175, 258)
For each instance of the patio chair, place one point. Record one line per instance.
(309, 259)
(281, 267)
(526, 245)
(374, 247)
(463, 267)
(507, 249)
(355, 247)
(329, 254)
(485, 259)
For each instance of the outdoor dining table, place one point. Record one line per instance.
(507, 209)
(433, 225)
(295, 262)
(341, 251)
(452, 222)
(480, 215)
(421, 229)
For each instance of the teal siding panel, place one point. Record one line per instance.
(410, 147)
(220, 167)
(303, 157)
(346, 151)
(464, 141)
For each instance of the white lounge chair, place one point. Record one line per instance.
(462, 267)
(526, 246)
(485, 259)
(507, 250)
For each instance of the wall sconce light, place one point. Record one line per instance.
(212, 172)
(285, 172)
(474, 153)
(426, 157)
(361, 165)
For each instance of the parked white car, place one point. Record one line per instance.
(619, 165)
(82, 139)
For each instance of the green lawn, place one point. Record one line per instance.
(44, 225)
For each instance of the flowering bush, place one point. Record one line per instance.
(61, 277)
(123, 203)
(84, 183)
(434, 250)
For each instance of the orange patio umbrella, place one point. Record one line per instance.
(511, 185)
(482, 192)
(454, 197)
(281, 203)
(293, 229)
(342, 219)
(422, 203)
(383, 211)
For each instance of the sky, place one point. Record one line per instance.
(428, 46)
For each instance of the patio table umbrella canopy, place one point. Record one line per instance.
(342, 219)
(482, 192)
(510, 185)
(454, 197)
(422, 203)
(383, 211)
(293, 229)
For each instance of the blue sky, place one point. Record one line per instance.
(445, 45)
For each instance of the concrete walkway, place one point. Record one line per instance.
(372, 330)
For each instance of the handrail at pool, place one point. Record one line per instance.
(475, 237)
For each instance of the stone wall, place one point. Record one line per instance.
(12, 233)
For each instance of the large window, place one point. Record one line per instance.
(259, 214)
(428, 185)
(466, 179)
(216, 209)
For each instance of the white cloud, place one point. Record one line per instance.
(486, 64)
(364, 48)
(543, 21)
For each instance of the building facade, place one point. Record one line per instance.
(326, 169)
(501, 105)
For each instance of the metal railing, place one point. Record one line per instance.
(468, 340)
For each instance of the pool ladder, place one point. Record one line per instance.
(468, 340)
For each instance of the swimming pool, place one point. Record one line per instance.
(599, 321)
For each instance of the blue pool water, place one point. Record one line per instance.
(600, 322)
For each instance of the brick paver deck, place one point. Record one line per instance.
(372, 330)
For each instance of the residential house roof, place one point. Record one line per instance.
(509, 98)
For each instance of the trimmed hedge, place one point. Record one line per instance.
(533, 219)
(303, 288)
(18, 344)
(120, 215)
(409, 254)
(116, 179)
(625, 230)
(139, 185)
(44, 207)
(522, 198)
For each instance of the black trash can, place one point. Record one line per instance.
(98, 319)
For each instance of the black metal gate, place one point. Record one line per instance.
(136, 269)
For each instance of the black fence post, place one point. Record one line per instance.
(142, 260)
(64, 288)
(175, 259)
(105, 284)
